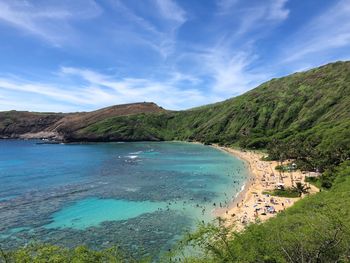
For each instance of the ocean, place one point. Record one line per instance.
(141, 196)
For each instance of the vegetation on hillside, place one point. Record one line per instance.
(304, 116)
(46, 253)
(14, 124)
(315, 229)
(287, 192)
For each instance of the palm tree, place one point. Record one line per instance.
(301, 188)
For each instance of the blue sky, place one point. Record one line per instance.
(82, 55)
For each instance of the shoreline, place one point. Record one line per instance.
(252, 205)
(262, 177)
(240, 196)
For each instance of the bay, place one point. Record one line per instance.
(142, 196)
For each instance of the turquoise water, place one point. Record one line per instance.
(92, 211)
(142, 196)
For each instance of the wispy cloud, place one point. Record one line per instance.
(178, 54)
(47, 21)
(263, 15)
(165, 93)
(277, 10)
(231, 73)
(16, 84)
(268, 10)
(225, 6)
(226, 73)
(229, 62)
(327, 32)
(158, 34)
(169, 9)
(99, 90)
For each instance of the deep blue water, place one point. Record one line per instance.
(142, 196)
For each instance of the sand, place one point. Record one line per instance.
(252, 205)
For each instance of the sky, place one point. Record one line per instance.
(81, 55)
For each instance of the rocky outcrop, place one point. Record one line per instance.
(61, 126)
(15, 124)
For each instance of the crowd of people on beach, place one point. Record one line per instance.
(255, 204)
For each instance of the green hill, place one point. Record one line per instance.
(302, 115)
(305, 116)
(59, 126)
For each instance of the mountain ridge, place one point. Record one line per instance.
(50, 125)
(305, 110)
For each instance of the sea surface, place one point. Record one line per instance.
(142, 196)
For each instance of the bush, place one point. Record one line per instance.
(288, 192)
(46, 253)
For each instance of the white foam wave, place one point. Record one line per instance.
(132, 156)
(138, 152)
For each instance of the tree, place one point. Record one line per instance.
(301, 188)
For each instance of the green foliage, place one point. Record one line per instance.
(300, 188)
(315, 181)
(315, 229)
(46, 253)
(326, 180)
(304, 116)
(280, 168)
(287, 192)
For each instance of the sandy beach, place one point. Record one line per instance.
(252, 205)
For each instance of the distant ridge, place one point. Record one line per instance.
(23, 124)
(306, 110)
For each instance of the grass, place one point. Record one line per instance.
(314, 181)
(288, 192)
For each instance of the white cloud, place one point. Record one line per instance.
(231, 71)
(158, 34)
(41, 89)
(277, 10)
(169, 9)
(34, 104)
(132, 17)
(100, 90)
(165, 93)
(176, 76)
(46, 20)
(248, 18)
(329, 31)
(222, 73)
(224, 6)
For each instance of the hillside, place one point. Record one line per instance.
(301, 115)
(69, 126)
(295, 103)
(14, 124)
(305, 116)
(17, 124)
